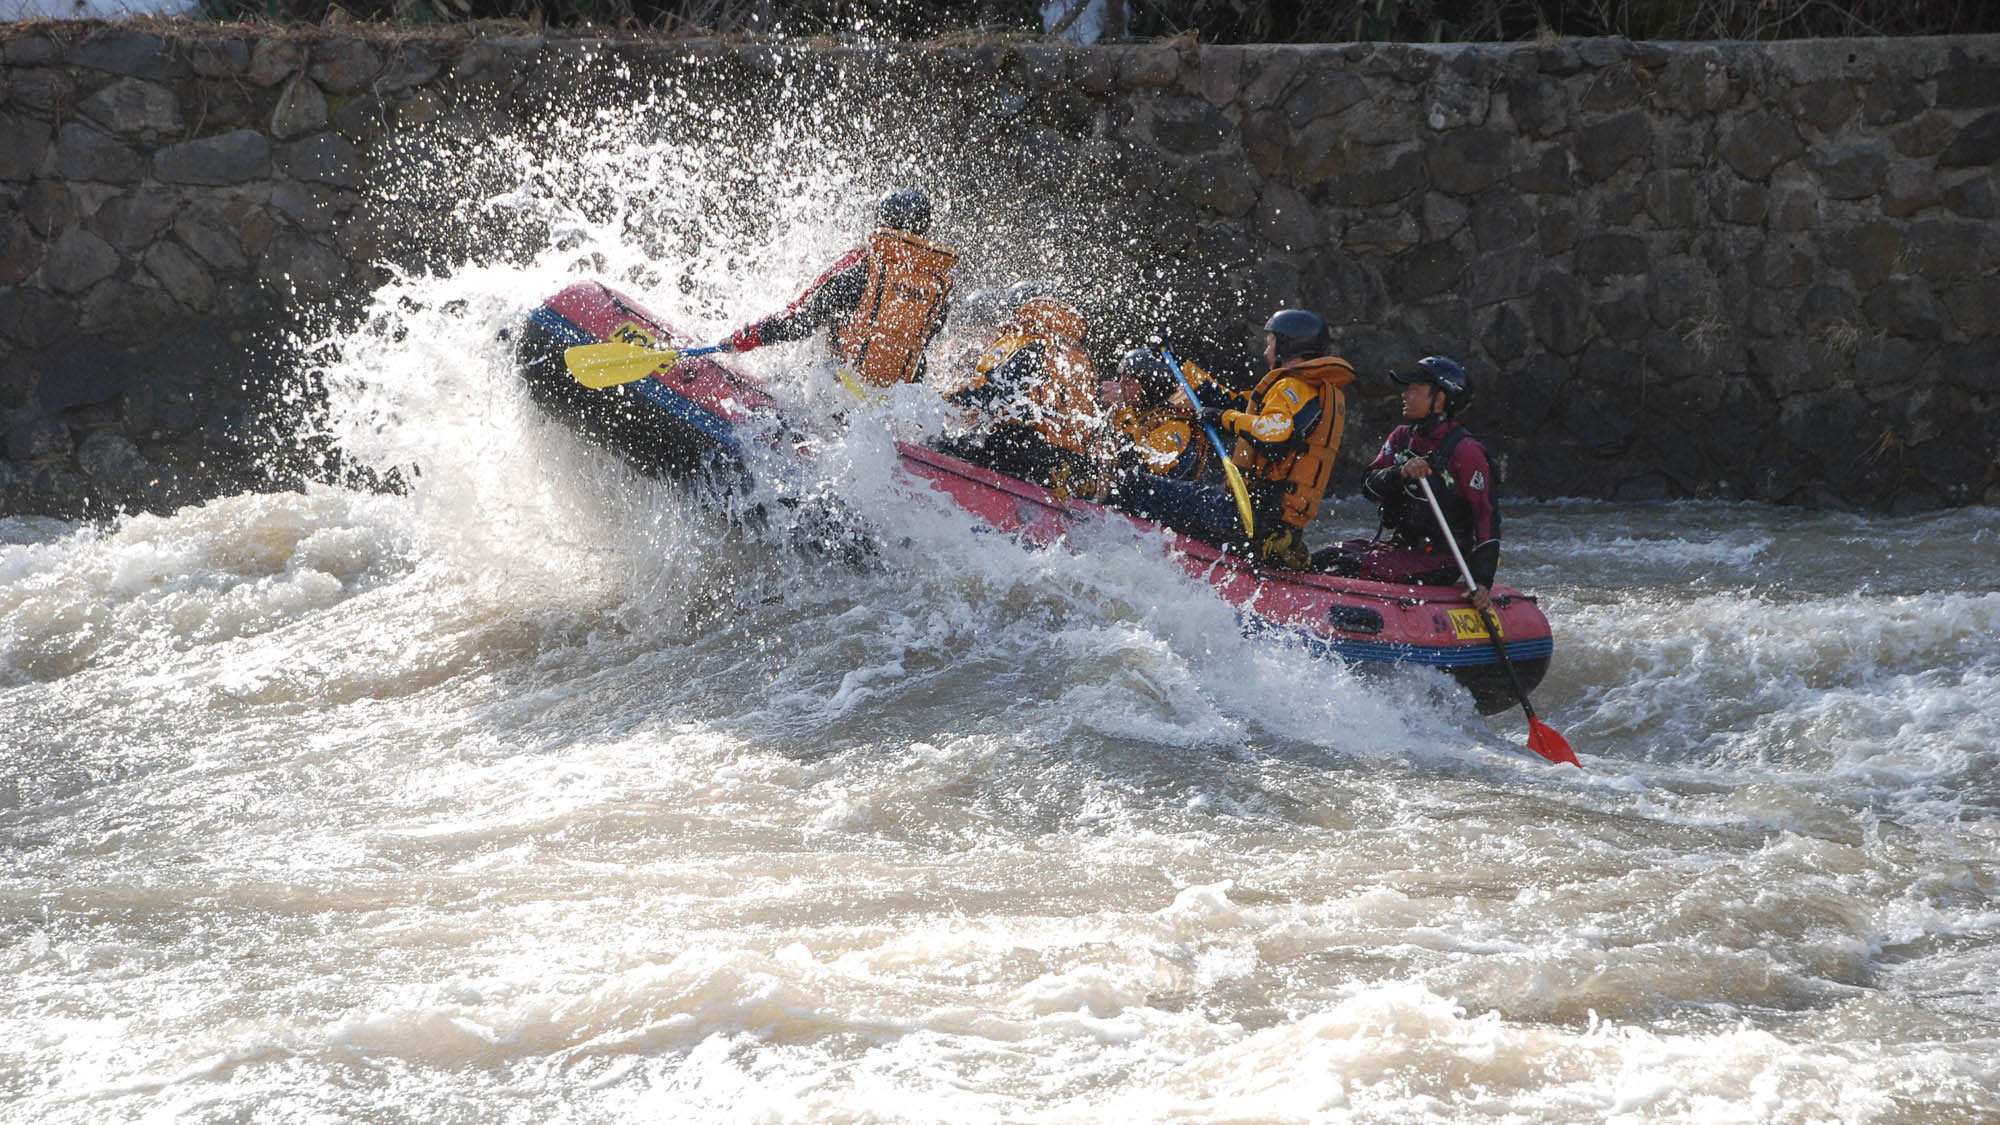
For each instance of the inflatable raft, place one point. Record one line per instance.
(687, 416)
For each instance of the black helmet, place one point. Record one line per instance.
(905, 209)
(1446, 375)
(1299, 332)
(1150, 371)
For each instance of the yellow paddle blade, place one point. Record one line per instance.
(854, 387)
(598, 366)
(1242, 497)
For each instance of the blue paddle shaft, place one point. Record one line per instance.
(1174, 366)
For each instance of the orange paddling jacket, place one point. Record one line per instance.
(1289, 443)
(884, 300)
(902, 304)
(1162, 434)
(1038, 375)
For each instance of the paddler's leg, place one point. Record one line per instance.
(1019, 452)
(1285, 547)
(1197, 510)
(1342, 558)
(965, 447)
(1387, 562)
(1007, 449)
(1073, 476)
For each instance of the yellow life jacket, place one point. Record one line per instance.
(1165, 435)
(1302, 464)
(908, 281)
(1160, 435)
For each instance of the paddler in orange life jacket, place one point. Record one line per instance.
(1288, 429)
(883, 300)
(1035, 391)
(1430, 443)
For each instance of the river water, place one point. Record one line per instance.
(545, 793)
(541, 792)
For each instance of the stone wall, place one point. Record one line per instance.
(1765, 271)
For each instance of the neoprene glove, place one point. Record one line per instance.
(1483, 561)
(1382, 483)
(1214, 394)
(1210, 416)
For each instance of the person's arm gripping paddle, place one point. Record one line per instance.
(1236, 485)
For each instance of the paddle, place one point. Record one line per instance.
(598, 366)
(1542, 738)
(1229, 469)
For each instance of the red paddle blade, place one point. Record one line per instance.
(1544, 740)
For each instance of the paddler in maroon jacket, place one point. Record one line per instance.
(884, 299)
(1432, 443)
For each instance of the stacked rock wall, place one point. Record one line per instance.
(1764, 271)
(174, 208)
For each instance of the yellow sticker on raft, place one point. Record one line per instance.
(1465, 624)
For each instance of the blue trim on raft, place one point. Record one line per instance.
(649, 388)
(656, 392)
(1378, 652)
(561, 326)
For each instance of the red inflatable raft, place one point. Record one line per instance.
(687, 415)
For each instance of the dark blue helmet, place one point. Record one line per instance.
(1150, 371)
(1446, 375)
(1299, 332)
(905, 209)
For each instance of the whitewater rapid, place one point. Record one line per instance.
(541, 792)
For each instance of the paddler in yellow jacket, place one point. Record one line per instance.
(1151, 420)
(883, 300)
(1035, 394)
(1287, 430)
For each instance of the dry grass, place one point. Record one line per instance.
(1208, 21)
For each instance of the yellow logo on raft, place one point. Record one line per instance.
(1466, 625)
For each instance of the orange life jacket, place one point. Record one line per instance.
(1062, 406)
(908, 280)
(1302, 463)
